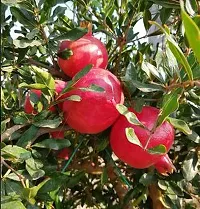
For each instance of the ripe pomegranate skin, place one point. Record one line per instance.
(64, 154)
(96, 111)
(164, 165)
(86, 50)
(132, 154)
(57, 134)
(28, 108)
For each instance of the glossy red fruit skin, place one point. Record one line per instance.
(97, 110)
(28, 108)
(86, 50)
(60, 85)
(164, 165)
(57, 134)
(132, 154)
(64, 153)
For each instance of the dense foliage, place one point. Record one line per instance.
(166, 76)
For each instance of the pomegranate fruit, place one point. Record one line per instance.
(59, 86)
(86, 50)
(132, 154)
(28, 108)
(97, 109)
(164, 165)
(64, 153)
(57, 134)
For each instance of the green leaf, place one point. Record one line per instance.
(45, 78)
(147, 87)
(180, 125)
(74, 98)
(176, 50)
(18, 153)
(194, 137)
(192, 32)
(130, 116)
(157, 150)
(33, 166)
(27, 136)
(53, 144)
(24, 43)
(3, 124)
(30, 193)
(170, 104)
(190, 165)
(48, 123)
(93, 88)
(131, 136)
(14, 177)
(13, 204)
(32, 86)
(72, 35)
(78, 76)
(147, 178)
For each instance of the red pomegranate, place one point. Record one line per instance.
(135, 155)
(86, 50)
(97, 110)
(57, 134)
(64, 153)
(29, 109)
(164, 165)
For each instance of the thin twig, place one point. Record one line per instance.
(11, 130)
(21, 178)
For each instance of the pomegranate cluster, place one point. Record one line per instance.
(96, 110)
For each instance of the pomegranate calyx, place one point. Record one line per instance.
(65, 54)
(165, 166)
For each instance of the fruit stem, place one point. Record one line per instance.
(88, 25)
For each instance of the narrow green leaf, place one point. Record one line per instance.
(131, 136)
(190, 166)
(78, 76)
(27, 136)
(170, 104)
(157, 150)
(48, 123)
(53, 144)
(16, 152)
(194, 137)
(192, 32)
(65, 54)
(93, 88)
(147, 87)
(24, 43)
(122, 109)
(180, 125)
(74, 98)
(45, 78)
(82, 73)
(72, 35)
(176, 50)
(130, 116)
(3, 124)
(32, 86)
(147, 178)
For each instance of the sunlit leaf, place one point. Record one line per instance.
(132, 137)
(157, 150)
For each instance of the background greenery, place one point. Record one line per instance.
(167, 77)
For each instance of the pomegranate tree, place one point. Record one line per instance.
(97, 109)
(84, 51)
(132, 154)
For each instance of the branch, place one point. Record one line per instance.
(184, 84)
(52, 70)
(21, 178)
(11, 130)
